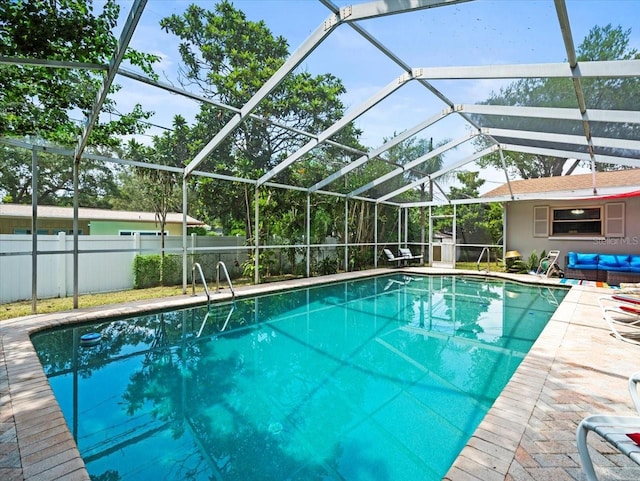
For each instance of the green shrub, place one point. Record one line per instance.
(327, 266)
(531, 265)
(152, 270)
(146, 271)
(172, 270)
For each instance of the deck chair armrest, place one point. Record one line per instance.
(634, 384)
(628, 313)
(613, 430)
(628, 299)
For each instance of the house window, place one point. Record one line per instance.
(578, 221)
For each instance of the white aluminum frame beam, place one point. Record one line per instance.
(383, 148)
(414, 163)
(68, 152)
(347, 14)
(569, 154)
(337, 126)
(606, 142)
(603, 68)
(199, 98)
(616, 116)
(392, 56)
(435, 175)
(123, 43)
(276, 79)
(565, 27)
(48, 63)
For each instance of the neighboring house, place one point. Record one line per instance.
(16, 219)
(564, 213)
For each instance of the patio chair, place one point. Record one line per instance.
(407, 255)
(622, 314)
(634, 382)
(549, 265)
(622, 432)
(391, 257)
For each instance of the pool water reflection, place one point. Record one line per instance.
(383, 378)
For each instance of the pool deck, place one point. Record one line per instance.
(574, 369)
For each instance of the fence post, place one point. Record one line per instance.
(194, 244)
(136, 246)
(61, 277)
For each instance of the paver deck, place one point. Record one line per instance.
(574, 369)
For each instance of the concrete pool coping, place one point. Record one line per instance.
(575, 368)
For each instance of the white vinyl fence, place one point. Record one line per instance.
(100, 271)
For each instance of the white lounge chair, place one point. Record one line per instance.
(613, 429)
(634, 383)
(622, 314)
(407, 255)
(391, 257)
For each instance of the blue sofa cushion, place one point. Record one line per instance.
(634, 263)
(614, 262)
(578, 260)
(587, 259)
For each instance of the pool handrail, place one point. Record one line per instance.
(204, 281)
(226, 273)
(484, 249)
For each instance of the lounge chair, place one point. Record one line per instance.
(622, 432)
(392, 258)
(407, 255)
(622, 314)
(634, 383)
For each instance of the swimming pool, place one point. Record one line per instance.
(380, 378)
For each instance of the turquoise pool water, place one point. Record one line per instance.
(380, 379)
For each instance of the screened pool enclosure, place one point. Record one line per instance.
(412, 69)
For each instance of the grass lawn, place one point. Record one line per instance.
(23, 308)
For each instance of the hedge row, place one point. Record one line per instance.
(152, 271)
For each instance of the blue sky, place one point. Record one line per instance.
(480, 32)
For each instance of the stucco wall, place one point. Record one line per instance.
(520, 230)
(103, 227)
(51, 226)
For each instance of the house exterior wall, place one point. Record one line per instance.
(8, 225)
(105, 227)
(520, 229)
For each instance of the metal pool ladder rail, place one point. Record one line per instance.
(484, 249)
(204, 282)
(226, 273)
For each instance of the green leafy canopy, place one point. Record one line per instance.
(44, 102)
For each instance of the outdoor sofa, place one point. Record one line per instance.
(610, 268)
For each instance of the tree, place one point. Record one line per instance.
(42, 103)
(476, 223)
(408, 151)
(601, 43)
(169, 149)
(55, 179)
(229, 58)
